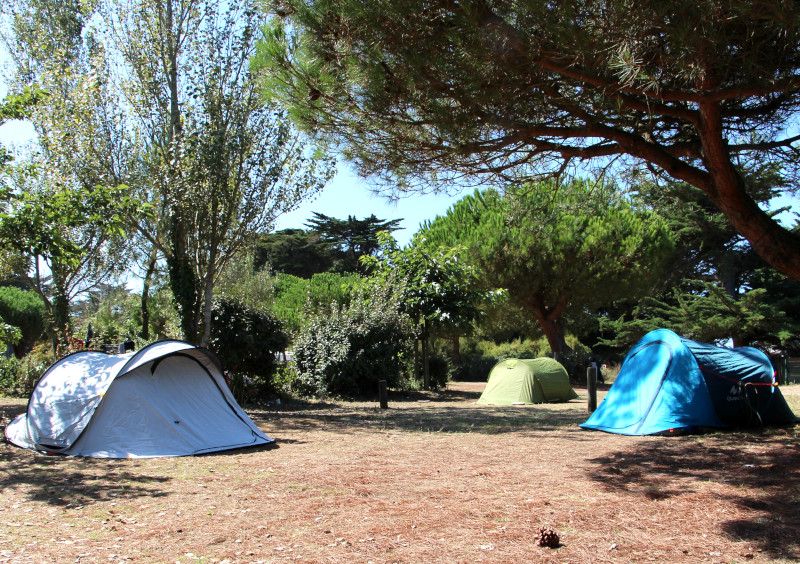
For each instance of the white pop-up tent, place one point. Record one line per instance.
(168, 399)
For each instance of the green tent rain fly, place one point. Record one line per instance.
(526, 381)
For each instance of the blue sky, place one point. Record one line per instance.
(345, 195)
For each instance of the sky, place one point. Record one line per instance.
(345, 195)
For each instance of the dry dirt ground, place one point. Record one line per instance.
(435, 478)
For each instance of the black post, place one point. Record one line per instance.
(383, 395)
(591, 387)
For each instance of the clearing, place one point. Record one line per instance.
(434, 478)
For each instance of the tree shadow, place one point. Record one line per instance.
(422, 418)
(72, 481)
(764, 464)
(68, 481)
(394, 396)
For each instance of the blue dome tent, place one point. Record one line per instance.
(668, 384)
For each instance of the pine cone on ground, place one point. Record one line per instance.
(547, 537)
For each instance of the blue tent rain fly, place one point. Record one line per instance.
(668, 383)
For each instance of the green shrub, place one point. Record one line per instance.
(440, 370)
(18, 377)
(23, 309)
(475, 368)
(520, 348)
(9, 367)
(347, 351)
(297, 297)
(246, 340)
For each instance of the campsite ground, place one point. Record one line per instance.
(434, 478)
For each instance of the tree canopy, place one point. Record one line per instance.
(293, 251)
(428, 90)
(584, 249)
(347, 240)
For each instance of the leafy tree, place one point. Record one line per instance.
(70, 239)
(297, 298)
(504, 320)
(24, 310)
(61, 211)
(582, 250)
(243, 283)
(224, 164)
(293, 251)
(432, 286)
(419, 91)
(16, 106)
(350, 239)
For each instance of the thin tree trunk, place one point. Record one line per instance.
(426, 373)
(417, 371)
(151, 268)
(60, 305)
(208, 300)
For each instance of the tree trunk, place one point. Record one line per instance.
(208, 300)
(417, 371)
(151, 268)
(426, 373)
(548, 321)
(777, 245)
(183, 282)
(60, 306)
(456, 350)
(554, 333)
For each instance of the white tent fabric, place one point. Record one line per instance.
(168, 399)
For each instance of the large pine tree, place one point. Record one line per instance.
(583, 250)
(429, 90)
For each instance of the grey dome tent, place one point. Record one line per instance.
(167, 399)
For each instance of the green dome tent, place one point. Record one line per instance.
(526, 381)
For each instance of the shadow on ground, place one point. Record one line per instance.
(762, 466)
(71, 482)
(448, 413)
(67, 481)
